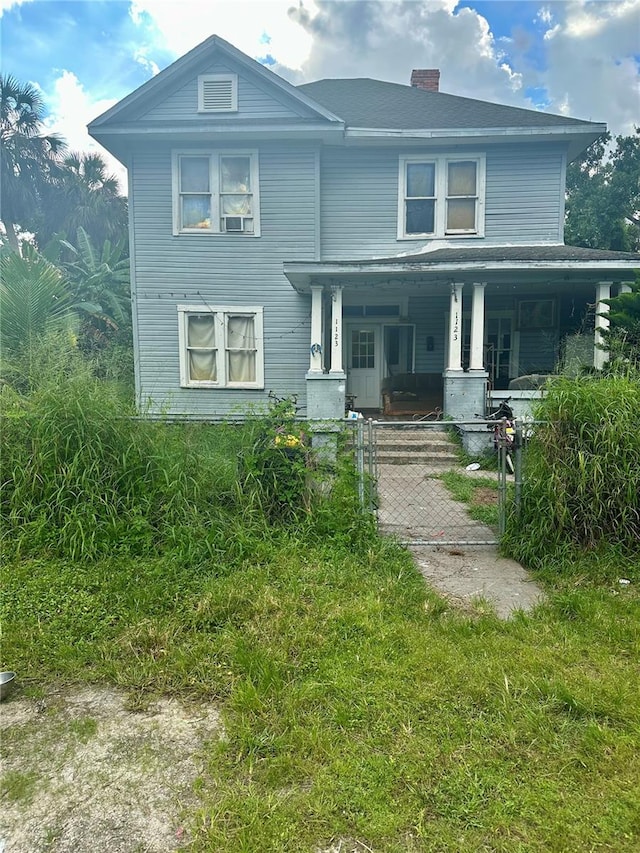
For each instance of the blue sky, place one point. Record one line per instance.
(579, 57)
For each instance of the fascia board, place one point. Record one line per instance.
(185, 129)
(575, 138)
(300, 274)
(330, 268)
(453, 133)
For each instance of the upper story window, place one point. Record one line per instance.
(441, 196)
(216, 193)
(220, 347)
(217, 93)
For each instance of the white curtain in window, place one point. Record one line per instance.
(462, 178)
(201, 343)
(236, 205)
(235, 175)
(241, 348)
(461, 214)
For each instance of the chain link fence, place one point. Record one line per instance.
(419, 479)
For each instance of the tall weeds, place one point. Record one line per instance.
(582, 471)
(82, 477)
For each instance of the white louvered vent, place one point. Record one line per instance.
(218, 93)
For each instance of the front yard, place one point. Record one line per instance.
(358, 710)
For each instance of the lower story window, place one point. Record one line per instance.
(220, 347)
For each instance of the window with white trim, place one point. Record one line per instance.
(216, 193)
(441, 196)
(217, 93)
(220, 347)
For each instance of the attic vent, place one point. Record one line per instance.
(217, 93)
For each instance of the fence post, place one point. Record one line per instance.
(360, 460)
(371, 464)
(502, 486)
(517, 464)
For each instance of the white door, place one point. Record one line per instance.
(364, 364)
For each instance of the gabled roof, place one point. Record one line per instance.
(363, 110)
(362, 102)
(174, 75)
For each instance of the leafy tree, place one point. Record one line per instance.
(83, 195)
(603, 196)
(28, 158)
(99, 283)
(622, 338)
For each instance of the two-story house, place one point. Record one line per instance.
(346, 238)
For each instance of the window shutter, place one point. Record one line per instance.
(218, 94)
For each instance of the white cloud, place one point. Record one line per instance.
(5, 5)
(544, 15)
(257, 28)
(592, 67)
(71, 109)
(386, 40)
(588, 47)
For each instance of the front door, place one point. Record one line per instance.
(364, 364)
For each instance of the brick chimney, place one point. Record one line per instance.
(426, 78)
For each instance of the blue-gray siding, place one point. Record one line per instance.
(351, 212)
(253, 102)
(359, 193)
(223, 270)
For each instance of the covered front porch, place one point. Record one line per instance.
(455, 328)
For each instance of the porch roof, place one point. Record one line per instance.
(526, 263)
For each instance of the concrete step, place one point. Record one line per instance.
(402, 444)
(391, 457)
(432, 447)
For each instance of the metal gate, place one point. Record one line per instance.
(422, 487)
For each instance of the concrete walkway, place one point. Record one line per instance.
(469, 574)
(416, 506)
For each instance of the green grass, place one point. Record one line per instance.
(356, 703)
(358, 706)
(479, 493)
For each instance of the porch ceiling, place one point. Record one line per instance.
(508, 264)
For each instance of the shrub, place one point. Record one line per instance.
(582, 471)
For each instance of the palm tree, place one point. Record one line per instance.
(27, 157)
(83, 195)
(36, 299)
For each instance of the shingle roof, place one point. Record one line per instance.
(363, 102)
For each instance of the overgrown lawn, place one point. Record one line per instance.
(357, 704)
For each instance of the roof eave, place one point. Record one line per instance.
(302, 274)
(118, 139)
(577, 138)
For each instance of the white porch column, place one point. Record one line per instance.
(476, 360)
(625, 288)
(336, 330)
(454, 361)
(315, 357)
(603, 291)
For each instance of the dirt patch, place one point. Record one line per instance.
(484, 496)
(81, 772)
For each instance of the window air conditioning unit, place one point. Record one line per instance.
(234, 223)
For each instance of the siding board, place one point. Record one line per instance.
(223, 269)
(359, 200)
(253, 102)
